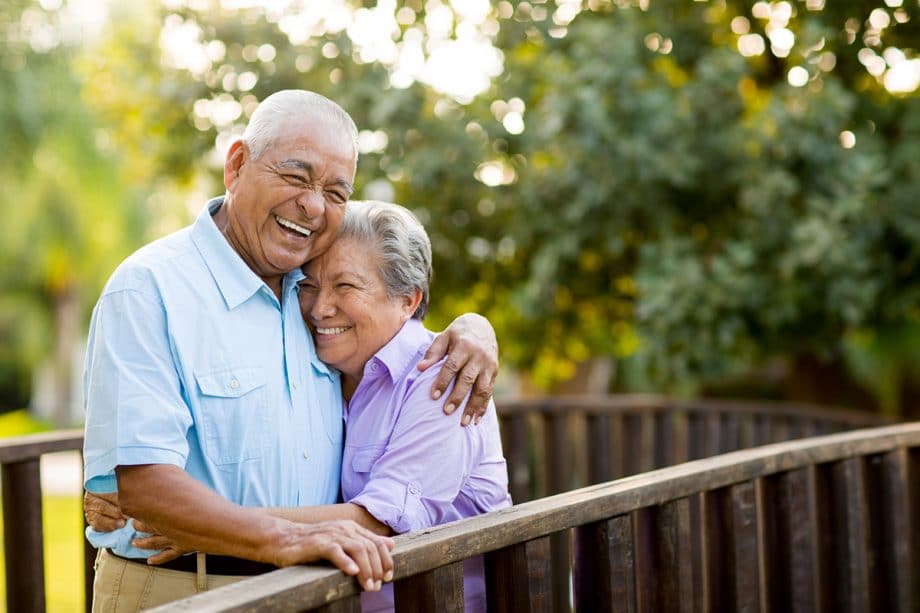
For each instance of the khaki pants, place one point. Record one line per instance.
(122, 586)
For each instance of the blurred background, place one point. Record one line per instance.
(713, 198)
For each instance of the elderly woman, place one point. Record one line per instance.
(407, 466)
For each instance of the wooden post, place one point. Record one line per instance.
(605, 571)
(22, 537)
(437, 591)
(519, 578)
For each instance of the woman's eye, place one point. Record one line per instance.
(308, 287)
(337, 197)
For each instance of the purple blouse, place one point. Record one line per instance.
(410, 465)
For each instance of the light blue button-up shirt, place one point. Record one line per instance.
(192, 361)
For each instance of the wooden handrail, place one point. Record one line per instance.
(733, 477)
(622, 435)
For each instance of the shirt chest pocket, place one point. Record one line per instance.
(234, 414)
(364, 458)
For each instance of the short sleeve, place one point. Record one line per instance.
(135, 411)
(414, 481)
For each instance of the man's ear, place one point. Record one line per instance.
(236, 155)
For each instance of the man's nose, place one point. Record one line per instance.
(312, 202)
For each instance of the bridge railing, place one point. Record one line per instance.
(552, 445)
(829, 523)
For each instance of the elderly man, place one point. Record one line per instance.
(205, 399)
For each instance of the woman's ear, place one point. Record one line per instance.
(410, 304)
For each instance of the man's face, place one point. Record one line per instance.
(286, 207)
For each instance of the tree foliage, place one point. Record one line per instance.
(637, 182)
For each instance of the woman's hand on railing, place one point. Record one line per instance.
(102, 512)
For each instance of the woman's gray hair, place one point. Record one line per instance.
(272, 114)
(402, 246)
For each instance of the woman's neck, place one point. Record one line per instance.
(349, 385)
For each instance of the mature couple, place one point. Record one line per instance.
(214, 420)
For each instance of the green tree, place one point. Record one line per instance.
(693, 189)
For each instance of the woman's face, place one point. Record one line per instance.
(344, 302)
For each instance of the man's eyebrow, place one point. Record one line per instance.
(307, 167)
(303, 165)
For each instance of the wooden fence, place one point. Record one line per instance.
(828, 523)
(552, 445)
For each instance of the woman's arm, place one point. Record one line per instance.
(326, 512)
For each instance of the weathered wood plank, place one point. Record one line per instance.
(459, 540)
(717, 585)
(22, 536)
(516, 445)
(850, 483)
(605, 573)
(519, 578)
(745, 568)
(675, 585)
(600, 453)
(559, 448)
(898, 525)
(349, 604)
(436, 591)
(32, 446)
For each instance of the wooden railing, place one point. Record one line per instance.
(20, 459)
(829, 523)
(552, 445)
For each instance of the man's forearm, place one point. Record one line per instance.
(174, 504)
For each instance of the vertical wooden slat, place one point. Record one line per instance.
(645, 553)
(519, 578)
(675, 584)
(662, 440)
(762, 434)
(22, 536)
(600, 468)
(729, 433)
(746, 553)
(605, 574)
(618, 451)
(717, 584)
(696, 436)
(647, 441)
(849, 481)
(437, 591)
(799, 509)
(516, 446)
(713, 434)
(680, 450)
(558, 453)
(632, 444)
(898, 526)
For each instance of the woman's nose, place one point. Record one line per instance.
(323, 307)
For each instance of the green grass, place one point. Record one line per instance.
(62, 522)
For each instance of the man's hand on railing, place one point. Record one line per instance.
(353, 549)
(102, 512)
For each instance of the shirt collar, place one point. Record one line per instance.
(235, 280)
(401, 352)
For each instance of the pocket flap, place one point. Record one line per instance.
(364, 458)
(230, 382)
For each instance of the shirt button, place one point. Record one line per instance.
(234, 384)
(306, 455)
(295, 386)
(374, 367)
(414, 489)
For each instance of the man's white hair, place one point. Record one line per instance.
(293, 104)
